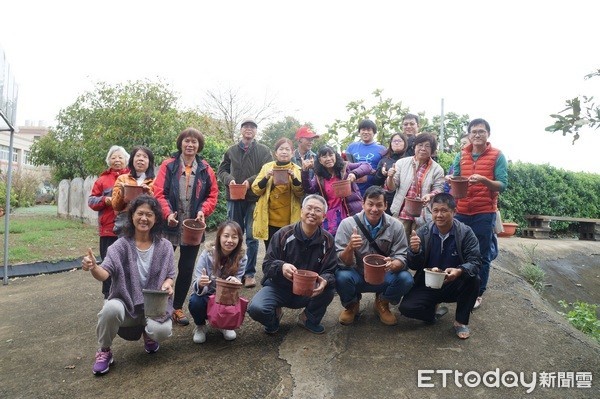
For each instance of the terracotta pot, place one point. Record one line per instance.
(342, 188)
(228, 292)
(155, 302)
(374, 269)
(192, 232)
(413, 206)
(509, 229)
(459, 186)
(434, 279)
(280, 176)
(237, 191)
(131, 192)
(304, 282)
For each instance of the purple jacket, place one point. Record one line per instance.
(353, 202)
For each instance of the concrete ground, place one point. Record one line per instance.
(47, 344)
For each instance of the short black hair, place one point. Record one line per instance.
(429, 138)
(367, 124)
(411, 116)
(156, 230)
(374, 192)
(444, 198)
(479, 121)
(150, 171)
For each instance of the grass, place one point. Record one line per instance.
(530, 271)
(35, 238)
(582, 316)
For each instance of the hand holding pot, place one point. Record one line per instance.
(452, 273)
(167, 286)
(288, 271)
(204, 280)
(321, 284)
(172, 220)
(200, 217)
(351, 177)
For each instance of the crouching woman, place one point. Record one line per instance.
(139, 260)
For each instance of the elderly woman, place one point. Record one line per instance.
(139, 260)
(396, 150)
(415, 177)
(100, 200)
(186, 188)
(141, 166)
(278, 204)
(329, 169)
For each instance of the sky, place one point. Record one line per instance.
(512, 62)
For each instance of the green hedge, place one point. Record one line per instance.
(213, 153)
(546, 190)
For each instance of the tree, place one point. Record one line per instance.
(454, 127)
(134, 113)
(230, 107)
(579, 112)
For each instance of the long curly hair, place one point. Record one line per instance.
(228, 265)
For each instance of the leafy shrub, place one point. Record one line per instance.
(24, 186)
(213, 153)
(583, 317)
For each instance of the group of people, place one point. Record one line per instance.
(304, 226)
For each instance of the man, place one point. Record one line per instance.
(447, 245)
(305, 138)
(241, 163)
(487, 171)
(366, 150)
(371, 231)
(410, 127)
(300, 246)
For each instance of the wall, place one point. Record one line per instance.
(72, 200)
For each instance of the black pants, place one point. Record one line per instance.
(185, 270)
(419, 303)
(106, 242)
(272, 230)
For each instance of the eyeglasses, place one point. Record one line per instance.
(315, 210)
(481, 132)
(423, 145)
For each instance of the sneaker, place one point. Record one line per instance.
(312, 327)
(150, 345)
(279, 314)
(229, 335)
(477, 303)
(250, 282)
(104, 358)
(180, 318)
(199, 334)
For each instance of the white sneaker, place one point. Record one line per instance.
(199, 334)
(229, 335)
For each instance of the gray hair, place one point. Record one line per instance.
(315, 197)
(114, 149)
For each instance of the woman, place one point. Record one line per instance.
(331, 168)
(186, 188)
(100, 200)
(396, 149)
(226, 259)
(278, 205)
(415, 177)
(141, 166)
(139, 260)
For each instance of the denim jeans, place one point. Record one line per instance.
(198, 306)
(242, 212)
(483, 227)
(351, 284)
(263, 304)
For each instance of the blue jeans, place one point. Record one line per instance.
(263, 304)
(198, 306)
(351, 284)
(242, 212)
(483, 227)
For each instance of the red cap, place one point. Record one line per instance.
(305, 132)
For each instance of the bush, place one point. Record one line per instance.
(583, 317)
(213, 153)
(24, 186)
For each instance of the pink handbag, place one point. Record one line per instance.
(226, 317)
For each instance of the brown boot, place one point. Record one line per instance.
(347, 316)
(382, 309)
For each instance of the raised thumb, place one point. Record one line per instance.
(414, 233)
(204, 272)
(354, 230)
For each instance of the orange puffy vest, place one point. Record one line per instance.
(480, 199)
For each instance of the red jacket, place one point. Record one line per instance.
(97, 200)
(480, 199)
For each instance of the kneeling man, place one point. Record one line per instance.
(303, 245)
(452, 247)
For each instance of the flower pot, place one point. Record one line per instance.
(304, 282)
(509, 229)
(237, 191)
(413, 206)
(192, 232)
(131, 192)
(228, 292)
(459, 186)
(342, 188)
(280, 176)
(374, 269)
(155, 302)
(434, 279)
